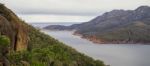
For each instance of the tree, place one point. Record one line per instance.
(4, 45)
(4, 41)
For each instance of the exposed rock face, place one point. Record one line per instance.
(6, 29)
(12, 26)
(40, 44)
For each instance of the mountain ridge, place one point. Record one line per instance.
(118, 23)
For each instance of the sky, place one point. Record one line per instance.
(67, 10)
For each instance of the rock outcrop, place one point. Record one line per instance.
(14, 28)
(42, 50)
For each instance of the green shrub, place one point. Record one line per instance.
(4, 41)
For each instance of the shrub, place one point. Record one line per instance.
(4, 41)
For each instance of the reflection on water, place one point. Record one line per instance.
(112, 54)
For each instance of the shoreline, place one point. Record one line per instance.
(101, 41)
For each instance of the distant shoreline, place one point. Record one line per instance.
(101, 41)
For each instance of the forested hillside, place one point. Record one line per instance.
(23, 45)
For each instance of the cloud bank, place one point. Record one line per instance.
(67, 10)
(71, 7)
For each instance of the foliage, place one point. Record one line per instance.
(4, 41)
(46, 51)
(43, 50)
(132, 32)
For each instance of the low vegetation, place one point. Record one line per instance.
(46, 51)
(42, 49)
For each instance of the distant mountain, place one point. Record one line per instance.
(118, 26)
(30, 47)
(61, 27)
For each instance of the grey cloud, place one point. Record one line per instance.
(71, 7)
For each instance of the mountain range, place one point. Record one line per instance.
(115, 27)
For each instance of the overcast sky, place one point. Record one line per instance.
(67, 10)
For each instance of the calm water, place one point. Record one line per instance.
(112, 54)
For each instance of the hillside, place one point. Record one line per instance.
(118, 26)
(30, 47)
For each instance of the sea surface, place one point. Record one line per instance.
(111, 54)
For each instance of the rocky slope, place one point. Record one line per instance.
(30, 47)
(12, 27)
(118, 26)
